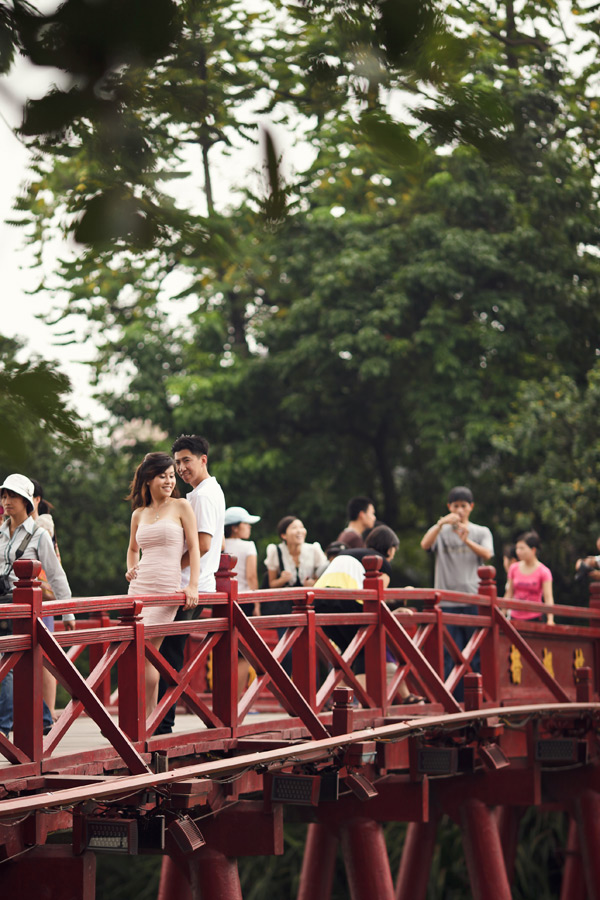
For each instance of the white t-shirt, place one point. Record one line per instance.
(208, 502)
(243, 550)
(312, 559)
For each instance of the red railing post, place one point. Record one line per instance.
(131, 670)
(473, 691)
(583, 685)
(27, 688)
(304, 651)
(375, 646)
(595, 605)
(342, 719)
(433, 648)
(225, 653)
(489, 653)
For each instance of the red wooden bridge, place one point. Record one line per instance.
(338, 751)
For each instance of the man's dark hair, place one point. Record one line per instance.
(356, 506)
(381, 539)
(460, 493)
(199, 446)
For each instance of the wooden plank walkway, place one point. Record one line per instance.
(84, 734)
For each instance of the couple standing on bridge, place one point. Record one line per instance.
(180, 540)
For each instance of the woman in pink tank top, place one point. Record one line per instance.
(529, 579)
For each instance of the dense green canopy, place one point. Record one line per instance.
(416, 308)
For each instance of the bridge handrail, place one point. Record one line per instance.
(224, 629)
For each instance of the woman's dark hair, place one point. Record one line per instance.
(152, 465)
(284, 524)
(381, 539)
(38, 491)
(531, 538)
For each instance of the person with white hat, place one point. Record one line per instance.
(238, 526)
(21, 538)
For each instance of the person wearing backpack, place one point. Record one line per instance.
(291, 563)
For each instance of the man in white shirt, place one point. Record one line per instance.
(190, 453)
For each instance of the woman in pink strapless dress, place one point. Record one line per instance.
(159, 525)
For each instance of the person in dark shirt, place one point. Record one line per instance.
(361, 517)
(383, 542)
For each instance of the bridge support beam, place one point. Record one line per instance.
(573, 881)
(415, 865)
(205, 874)
(318, 864)
(509, 819)
(483, 852)
(588, 821)
(51, 871)
(366, 860)
(174, 883)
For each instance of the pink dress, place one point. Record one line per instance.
(159, 570)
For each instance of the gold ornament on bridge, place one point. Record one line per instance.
(578, 658)
(515, 666)
(547, 660)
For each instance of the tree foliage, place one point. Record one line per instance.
(382, 322)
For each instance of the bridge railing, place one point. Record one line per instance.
(519, 660)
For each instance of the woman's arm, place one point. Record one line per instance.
(190, 529)
(277, 579)
(548, 598)
(509, 591)
(252, 579)
(133, 550)
(252, 573)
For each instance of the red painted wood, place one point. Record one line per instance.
(213, 875)
(588, 822)
(174, 883)
(73, 681)
(366, 860)
(318, 863)
(375, 645)
(304, 651)
(397, 635)
(415, 864)
(28, 725)
(51, 872)
(483, 852)
(573, 881)
(530, 658)
(283, 687)
(132, 678)
(509, 819)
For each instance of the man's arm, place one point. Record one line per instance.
(430, 536)
(481, 551)
(204, 545)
